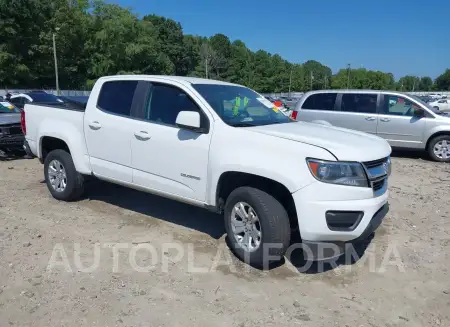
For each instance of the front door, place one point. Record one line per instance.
(166, 158)
(107, 130)
(397, 124)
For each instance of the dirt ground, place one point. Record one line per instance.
(173, 271)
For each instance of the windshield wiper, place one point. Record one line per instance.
(243, 125)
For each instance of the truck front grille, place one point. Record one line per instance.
(377, 171)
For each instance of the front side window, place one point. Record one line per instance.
(117, 97)
(240, 106)
(320, 101)
(398, 106)
(165, 102)
(360, 103)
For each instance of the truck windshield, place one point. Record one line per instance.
(7, 108)
(239, 106)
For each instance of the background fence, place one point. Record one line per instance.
(282, 94)
(77, 93)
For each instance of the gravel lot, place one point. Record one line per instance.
(47, 247)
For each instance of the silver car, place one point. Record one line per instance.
(403, 120)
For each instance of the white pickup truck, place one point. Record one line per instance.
(223, 147)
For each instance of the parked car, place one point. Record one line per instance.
(426, 99)
(11, 136)
(442, 105)
(19, 100)
(74, 99)
(403, 120)
(178, 137)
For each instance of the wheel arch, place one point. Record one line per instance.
(434, 135)
(230, 180)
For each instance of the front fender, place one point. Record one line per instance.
(435, 130)
(281, 160)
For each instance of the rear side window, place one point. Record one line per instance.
(320, 101)
(362, 103)
(117, 97)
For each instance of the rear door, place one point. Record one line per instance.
(107, 129)
(318, 107)
(397, 124)
(357, 111)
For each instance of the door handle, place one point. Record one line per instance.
(95, 125)
(370, 118)
(142, 135)
(385, 119)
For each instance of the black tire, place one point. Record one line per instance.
(75, 181)
(436, 107)
(431, 145)
(274, 224)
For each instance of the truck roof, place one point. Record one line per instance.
(183, 79)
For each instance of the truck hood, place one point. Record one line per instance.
(344, 144)
(13, 118)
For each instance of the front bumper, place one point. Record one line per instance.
(319, 251)
(313, 202)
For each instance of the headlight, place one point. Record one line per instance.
(335, 172)
(388, 166)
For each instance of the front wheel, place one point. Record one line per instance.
(439, 148)
(63, 180)
(257, 226)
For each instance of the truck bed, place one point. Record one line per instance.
(67, 105)
(59, 121)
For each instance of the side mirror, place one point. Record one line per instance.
(419, 113)
(189, 120)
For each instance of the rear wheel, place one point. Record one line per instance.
(257, 226)
(63, 181)
(439, 148)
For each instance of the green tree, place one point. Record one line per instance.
(171, 43)
(123, 43)
(95, 38)
(408, 83)
(425, 84)
(443, 81)
(316, 75)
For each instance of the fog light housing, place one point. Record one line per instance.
(343, 220)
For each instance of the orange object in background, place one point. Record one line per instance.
(278, 103)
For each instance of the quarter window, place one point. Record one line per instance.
(362, 103)
(117, 97)
(320, 101)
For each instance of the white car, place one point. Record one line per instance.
(442, 104)
(21, 99)
(178, 137)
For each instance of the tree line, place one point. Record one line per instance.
(94, 39)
